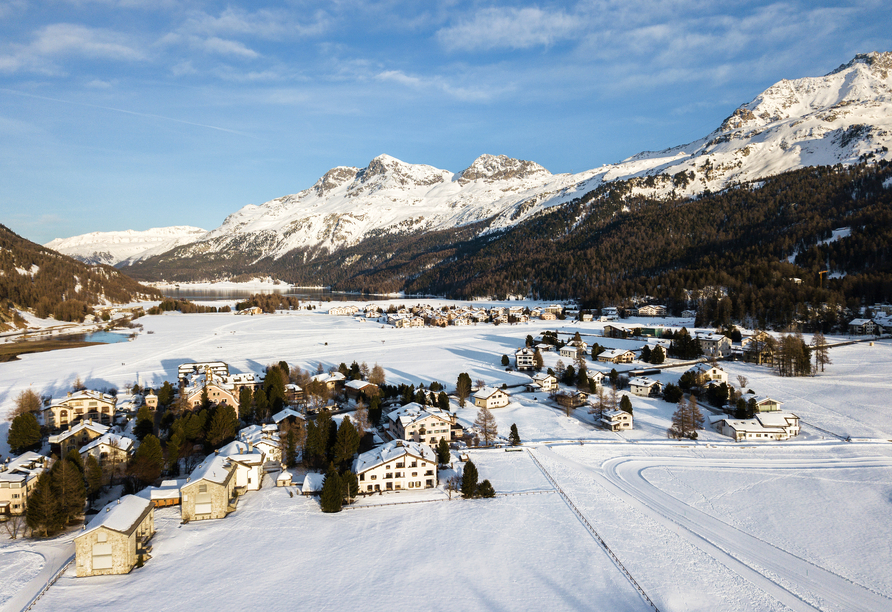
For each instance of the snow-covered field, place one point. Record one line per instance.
(711, 525)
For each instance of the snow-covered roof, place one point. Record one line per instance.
(215, 468)
(776, 419)
(859, 321)
(123, 515)
(703, 368)
(359, 384)
(312, 483)
(236, 447)
(122, 442)
(247, 458)
(764, 399)
(169, 489)
(642, 382)
(613, 353)
(487, 392)
(23, 467)
(284, 414)
(87, 394)
(98, 428)
(414, 411)
(542, 376)
(391, 451)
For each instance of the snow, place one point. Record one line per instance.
(702, 525)
(125, 246)
(120, 515)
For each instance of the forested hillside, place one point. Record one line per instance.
(728, 250)
(34, 277)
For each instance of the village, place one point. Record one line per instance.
(280, 426)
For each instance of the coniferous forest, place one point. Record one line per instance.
(750, 253)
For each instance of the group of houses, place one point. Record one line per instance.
(424, 315)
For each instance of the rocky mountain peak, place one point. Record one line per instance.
(879, 61)
(385, 170)
(499, 167)
(334, 178)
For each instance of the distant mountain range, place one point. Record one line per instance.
(840, 118)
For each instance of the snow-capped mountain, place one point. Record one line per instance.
(126, 247)
(838, 118)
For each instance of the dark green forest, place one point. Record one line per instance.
(725, 252)
(59, 285)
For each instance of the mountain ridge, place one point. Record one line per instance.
(842, 117)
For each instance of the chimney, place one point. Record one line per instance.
(217, 452)
(250, 448)
(69, 394)
(119, 501)
(107, 509)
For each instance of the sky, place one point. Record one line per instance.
(133, 114)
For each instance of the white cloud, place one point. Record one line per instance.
(228, 47)
(264, 23)
(60, 41)
(510, 28)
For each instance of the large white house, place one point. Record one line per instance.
(645, 387)
(616, 420)
(79, 406)
(763, 427)
(17, 478)
(417, 423)
(525, 358)
(714, 345)
(396, 466)
(704, 373)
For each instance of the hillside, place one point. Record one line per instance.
(842, 117)
(51, 284)
(124, 248)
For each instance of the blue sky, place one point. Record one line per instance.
(131, 114)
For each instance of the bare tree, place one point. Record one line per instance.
(14, 525)
(361, 416)
(453, 485)
(613, 399)
(376, 377)
(819, 348)
(486, 422)
(78, 384)
(742, 381)
(364, 370)
(480, 383)
(26, 401)
(599, 405)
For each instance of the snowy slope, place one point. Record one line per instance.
(128, 246)
(837, 118)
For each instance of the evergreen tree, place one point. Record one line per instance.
(75, 458)
(645, 354)
(289, 448)
(147, 461)
(94, 476)
(443, 454)
(657, 356)
(347, 442)
(820, 351)
(332, 496)
(145, 423)
(24, 433)
(175, 448)
(44, 512)
(261, 405)
(514, 438)
(463, 388)
(625, 404)
(469, 480)
(67, 484)
(274, 387)
(443, 401)
(486, 490)
(538, 361)
(245, 400)
(165, 394)
(375, 410)
(672, 393)
(505, 360)
(224, 425)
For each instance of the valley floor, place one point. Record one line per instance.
(706, 525)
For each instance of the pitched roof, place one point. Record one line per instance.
(414, 411)
(284, 414)
(391, 451)
(122, 515)
(98, 428)
(487, 392)
(122, 442)
(215, 468)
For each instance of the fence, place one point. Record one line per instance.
(49, 583)
(594, 533)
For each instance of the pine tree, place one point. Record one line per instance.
(443, 401)
(538, 361)
(505, 360)
(332, 496)
(75, 458)
(274, 387)
(514, 438)
(67, 484)
(261, 405)
(288, 444)
(469, 480)
(443, 454)
(44, 512)
(486, 422)
(24, 433)
(657, 356)
(94, 476)
(820, 351)
(147, 461)
(625, 404)
(463, 388)
(486, 490)
(224, 425)
(347, 442)
(245, 400)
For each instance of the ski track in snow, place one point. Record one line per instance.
(788, 578)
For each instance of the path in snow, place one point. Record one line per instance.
(791, 580)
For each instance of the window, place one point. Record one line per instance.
(203, 488)
(388, 475)
(374, 477)
(414, 464)
(418, 484)
(429, 473)
(414, 474)
(369, 488)
(401, 464)
(390, 486)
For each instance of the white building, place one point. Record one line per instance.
(396, 466)
(417, 423)
(763, 427)
(525, 358)
(645, 387)
(616, 420)
(714, 345)
(704, 373)
(490, 397)
(17, 478)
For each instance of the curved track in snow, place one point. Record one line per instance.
(793, 581)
